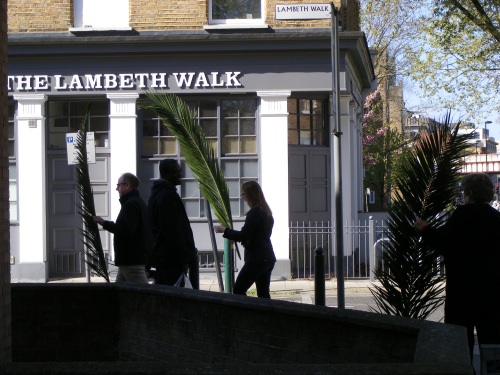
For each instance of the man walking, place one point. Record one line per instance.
(174, 251)
(131, 232)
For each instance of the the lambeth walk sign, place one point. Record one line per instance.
(303, 12)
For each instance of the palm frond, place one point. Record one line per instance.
(91, 238)
(196, 150)
(426, 185)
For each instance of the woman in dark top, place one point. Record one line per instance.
(255, 236)
(470, 245)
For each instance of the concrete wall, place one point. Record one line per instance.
(190, 329)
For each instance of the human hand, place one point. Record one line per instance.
(219, 229)
(98, 220)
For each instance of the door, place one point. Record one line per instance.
(309, 172)
(66, 257)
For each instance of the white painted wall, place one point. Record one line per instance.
(31, 177)
(122, 142)
(273, 133)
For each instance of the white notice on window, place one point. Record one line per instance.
(71, 149)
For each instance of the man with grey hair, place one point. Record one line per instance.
(131, 232)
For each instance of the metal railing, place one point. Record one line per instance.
(363, 246)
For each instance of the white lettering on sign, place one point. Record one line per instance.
(125, 81)
(303, 12)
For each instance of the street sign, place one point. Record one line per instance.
(303, 12)
(71, 150)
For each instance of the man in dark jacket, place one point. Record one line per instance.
(174, 251)
(131, 232)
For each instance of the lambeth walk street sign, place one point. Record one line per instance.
(303, 12)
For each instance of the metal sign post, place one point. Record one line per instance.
(337, 158)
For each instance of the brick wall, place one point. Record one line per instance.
(5, 332)
(193, 331)
(35, 16)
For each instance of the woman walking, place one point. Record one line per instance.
(255, 236)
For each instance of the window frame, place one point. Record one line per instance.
(325, 117)
(237, 167)
(13, 174)
(236, 21)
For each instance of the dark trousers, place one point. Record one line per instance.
(258, 273)
(170, 275)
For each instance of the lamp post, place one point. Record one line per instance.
(486, 143)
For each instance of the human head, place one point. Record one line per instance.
(253, 195)
(127, 182)
(477, 187)
(170, 170)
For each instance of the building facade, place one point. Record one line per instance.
(260, 87)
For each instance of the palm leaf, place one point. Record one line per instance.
(426, 185)
(91, 238)
(196, 150)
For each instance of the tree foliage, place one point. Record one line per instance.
(460, 61)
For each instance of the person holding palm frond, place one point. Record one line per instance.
(131, 232)
(174, 251)
(256, 238)
(470, 244)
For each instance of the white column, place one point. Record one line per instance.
(122, 141)
(31, 178)
(273, 133)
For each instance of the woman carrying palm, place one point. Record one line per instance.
(255, 236)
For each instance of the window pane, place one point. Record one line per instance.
(293, 137)
(234, 188)
(230, 145)
(230, 127)
(248, 146)
(192, 208)
(317, 107)
(305, 122)
(249, 168)
(209, 127)
(149, 146)
(247, 127)
(98, 124)
(230, 108)
(235, 9)
(213, 144)
(13, 211)
(190, 189)
(305, 137)
(208, 108)
(168, 146)
(230, 168)
(248, 108)
(149, 128)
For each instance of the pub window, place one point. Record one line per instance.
(235, 11)
(67, 116)
(230, 127)
(307, 122)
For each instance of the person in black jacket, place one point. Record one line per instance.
(470, 244)
(255, 236)
(131, 232)
(174, 251)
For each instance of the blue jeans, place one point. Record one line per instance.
(253, 272)
(134, 274)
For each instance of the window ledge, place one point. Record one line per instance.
(226, 26)
(77, 30)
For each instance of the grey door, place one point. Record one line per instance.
(64, 239)
(309, 181)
